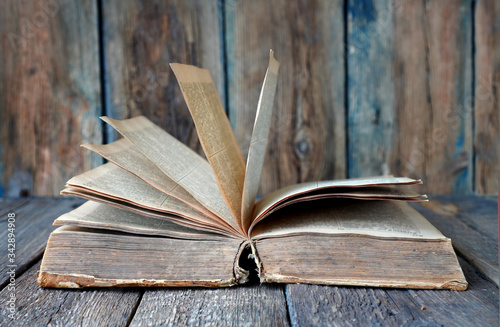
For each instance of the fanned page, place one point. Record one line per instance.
(112, 185)
(126, 155)
(378, 218)
(95, 215)
(184, 166)
(215, 133)
(258, 142)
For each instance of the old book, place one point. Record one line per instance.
(159, 214)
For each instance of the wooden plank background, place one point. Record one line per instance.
(365, 87)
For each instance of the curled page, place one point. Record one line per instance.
(176, 160)
(279, 196)
(258, 142)
(215, 133)
(95, 215)
(112, 182)
(125, 154)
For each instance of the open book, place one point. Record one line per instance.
(159, 214)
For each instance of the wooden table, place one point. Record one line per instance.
(470, 221)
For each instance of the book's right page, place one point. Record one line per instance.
(355, 242)
(377, 218)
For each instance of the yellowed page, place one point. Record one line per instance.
(258, 142)
(363, 193)
(208, 226)
(126, 155)
(278, 196)
(383, 218)
(177, 161)
(95, 215)
(113, 182)
(214, 132)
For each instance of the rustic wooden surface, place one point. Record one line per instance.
(457, 217)
(409, 73)
(307, 139)
(49, 94)
(486, 98)
(365, 87)
(140, 39)
(433, 79)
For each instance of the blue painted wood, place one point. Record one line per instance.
(370, 87)
(410, 107)
(409, 81)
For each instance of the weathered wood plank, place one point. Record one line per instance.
(32, 228)
(36, 306)
(433, 75)
(486, 101)
(9, 205)
(472, 224)
(370, 87)
(141, 38)
(410, 75)
(347, 306)
(256, 305)
(49, 93)
(307, 139)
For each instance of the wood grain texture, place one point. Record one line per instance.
(141, 38)
(433, 78)
(410, 75)
(487, 98)
(307, 139)
(370, 87)
(37, 306)
(32, 228)
(348, 306)
(10, 205)
(472, 224)
(256, 305)
(305, 304)
(49, 93)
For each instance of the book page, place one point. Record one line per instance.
(215, 133)
(113, 182)
(393, 219)
(360, 193)
(125, 154)
(177, 161)
(258, 142)
(208, 226)
(283, 194)
(95, 215)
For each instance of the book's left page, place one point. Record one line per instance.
(184, 166)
